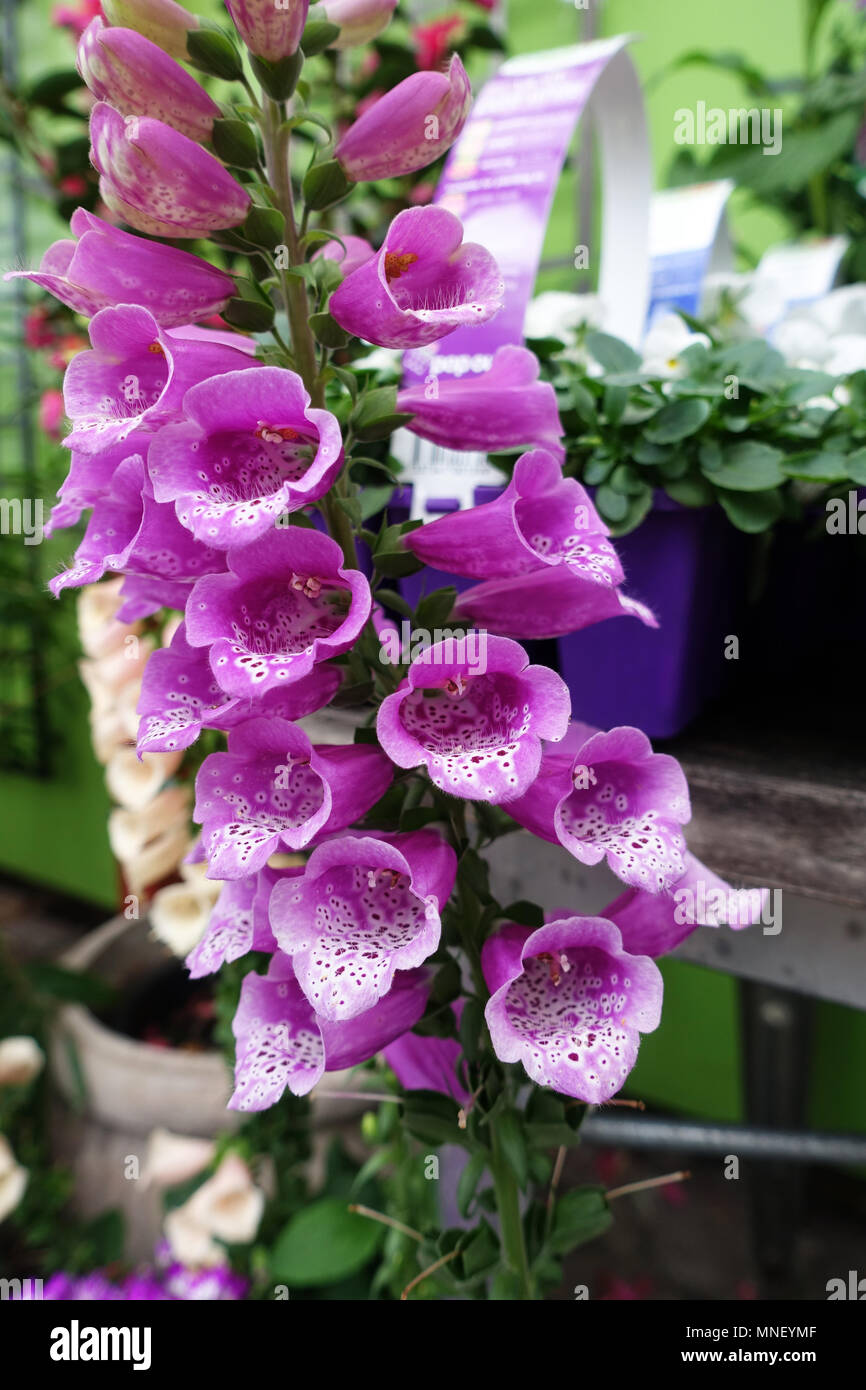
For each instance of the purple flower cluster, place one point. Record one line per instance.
(187, 450)
(168, 1283)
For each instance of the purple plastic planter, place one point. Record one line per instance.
(689, 565)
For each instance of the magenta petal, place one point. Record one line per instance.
(654, 923)
(424, 283)
(549, 602)
(140, 79)
(427, 1064)
(500, 409)
(356, 1040)
(278, 1040)
(353, 252)
(397, 135)
(229, 933)
(158, 180)
(270, 30)
(477, 728)
(179, 697)
(366, 906)
(286, 605)
(573, 1011)
(247, 453)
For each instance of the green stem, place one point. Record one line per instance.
(510, 1222)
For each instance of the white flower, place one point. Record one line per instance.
(98, 630)
(665, 344)
(556, 314)
(226, 1207)
(13, 1180)
(178, 917)
(742, 306)
(134, 781)
(175, 1158)
(21, 1059)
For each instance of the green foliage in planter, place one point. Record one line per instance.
(737, 427)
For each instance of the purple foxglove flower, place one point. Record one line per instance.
(144, 595)
(423, 283)
(549, 602)
(89, 479)
(540, 520)
(286, 605)
(137, 374)
(366, 909)
(282, 1042)
(234, 929)
(213, 1284)
(654, 923)
(162, 21)
(569, 1003)
(106, 267)
(270, 29)
(138, 78)
(130, 533)
(477, 726)
(246, 453)
(180, 696)
(608, 795)
(409, 127)
(359, 20)
(499, 409)
(160, 181)
(352, 254)
(273, 790)
(428, 1064)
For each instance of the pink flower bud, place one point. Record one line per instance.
(140, 79)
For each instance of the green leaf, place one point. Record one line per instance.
(509, 1132)
(816, 466)
(751, 511)
(397, 564)
(436, 608)
(750, 467)
(324, 185)
(525, 914)
(235, 143)
(855, 466)
(375, 500)
(249, 314)
(596, 471)
(69, 986)
(692, 491)
(647, 453)
(471, 1028)
(279, 79)
(469, 1180)
(432, 1117)
(612, 353)
(327, 331)
(212, 51)
(265, 227)
(612, 505)
(318, 35)
(580, 1215)
(678, 420)
(322, 1244)
(614, 403)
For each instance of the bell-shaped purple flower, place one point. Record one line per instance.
(180, 696)
(106, 267)
(246, 453)
(239, 921)
(423, 284)
(270, 29)
(130, 533)
(282, 1043)
(366, 906)
(608, 795)
(548, 602)
(136, 374)
(475, 720)
(569, 1003)
(654, 923)
(501, 408)
(409, 127)
(160, 181)
(540, 520)
(138, 78)
(273, 790)
(429, 1063)
(286, 605)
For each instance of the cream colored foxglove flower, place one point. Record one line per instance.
(21, 1059)
(175, 1158)
(13, 1180)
